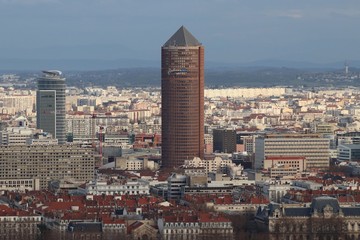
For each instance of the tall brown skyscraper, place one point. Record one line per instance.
(182, 89)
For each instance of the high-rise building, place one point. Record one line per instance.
(224, 140)
(182, 89)
(50, 104)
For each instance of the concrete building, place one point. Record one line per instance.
(46, 162)
(134, 164)
(280, 166)
(82, 128)
(17, 135)
(20, 185)
(175, 183)
(214, 165)
(182, 89)
(311, 146)
(15, 104)
(224, 140)
(50, 104)
(42, 139)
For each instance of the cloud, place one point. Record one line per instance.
(295, 14)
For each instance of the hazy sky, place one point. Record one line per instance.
(231, 30)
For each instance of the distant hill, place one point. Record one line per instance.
(98, 64)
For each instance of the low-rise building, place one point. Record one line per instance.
(121, 187)
(18, 224)
(195, 226)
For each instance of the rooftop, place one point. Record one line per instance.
(182, 38)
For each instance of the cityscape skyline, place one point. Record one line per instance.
(250, 31)
(100, 159)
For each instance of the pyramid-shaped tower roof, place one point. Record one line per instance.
(182, 38)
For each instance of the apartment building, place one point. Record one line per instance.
(311, 146)
(46, 162)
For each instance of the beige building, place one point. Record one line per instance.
(133, 164)
(82, 127)
(244, 92)
(324, 128)
(214, 165)
(280, 166)
(14, 104)
(50, 162)
(311, 146)
(20, 185)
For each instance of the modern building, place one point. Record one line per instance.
(224, 140)
(50, 104)
(349, 152)
(182, 89)
(46, 162)
(314, 148)
(175, 183)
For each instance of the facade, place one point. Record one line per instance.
(133, 164)
(245, 92)
(323, 219)
(124, 188)
(175, 184)
(280, 166)
(182, 89)
(20, 185)
(17, 135)
(46, 162)
(203, 226)
(18, 224)
(311, 146)
(214, 165)
(81, 127)
(224, 140)
(15, 104)
(50, 104)
(349, 152)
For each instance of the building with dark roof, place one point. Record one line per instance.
(182, 89)
(349, 152)
(224, 140)
(324, 217)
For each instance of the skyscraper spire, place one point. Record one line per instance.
(182, 38)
